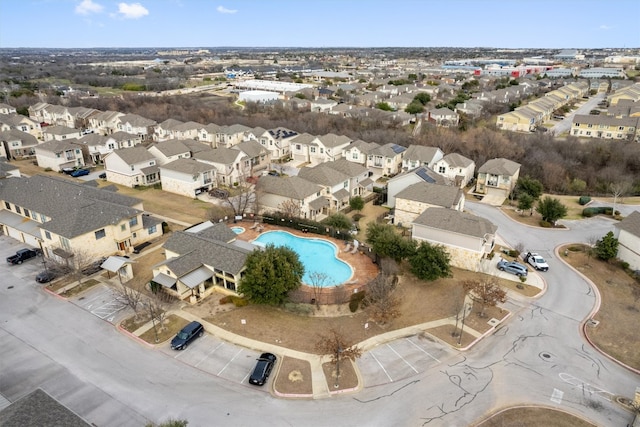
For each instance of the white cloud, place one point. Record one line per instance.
(223, 9)
(605, 27)
(132, 10)
(85, 7)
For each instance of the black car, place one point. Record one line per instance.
(103, 175)
(45, 276)
(189, 333)
(263, 369)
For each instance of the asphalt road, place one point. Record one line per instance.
(565, 125)
(537, 357)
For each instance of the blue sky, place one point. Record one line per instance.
(320, 23)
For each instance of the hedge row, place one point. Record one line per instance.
(601, 210)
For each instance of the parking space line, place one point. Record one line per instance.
(245, 377)
(403, 359)
(229, 362)
(382, 367)
(208, 354)
(422, 350)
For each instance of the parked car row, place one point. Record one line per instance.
(193, 330)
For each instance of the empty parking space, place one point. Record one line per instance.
(102, 302)
(399, 359)
(217, 357)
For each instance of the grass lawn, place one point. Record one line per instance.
(516, 417)
(171, 326)
(616, 334)
(79, 288)
(294, 377)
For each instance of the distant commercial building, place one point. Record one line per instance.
(273, 86)
(258, 96)
(600, 73)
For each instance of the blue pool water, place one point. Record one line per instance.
(237, 230)
(316, 255)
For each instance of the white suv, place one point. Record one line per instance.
(536, 261)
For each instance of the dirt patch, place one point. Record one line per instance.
(346, 380)
(171, 326)
(81, 287)
(294, 377)
(534, 417)
(618, 314)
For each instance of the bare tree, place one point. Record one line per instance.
(130, 297)
(290, 208)
(381, 302)
(618, 189)
(519, 248)
(591, 244)
(486, 292)
(157, 309)
(243, 202)
(319, 281)
(73, 262)
(335, 345)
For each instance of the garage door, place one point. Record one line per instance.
(16, 234)
(31, 240)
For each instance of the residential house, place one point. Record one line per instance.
(232, 166)
(187, 177)
(413, 176)
(293, 195)
(105, 122)
(457, 168)
(7, 109)
(330, 148)
(386, 160)
(8, 170)
(631, 93)
(125, 140)
(415, 199)
(96, 146)
(73, 222)
(137, 125)
(228, 136)
(443, 117)
(627, 232)
(187, 130)
(51, 114)
(605, 127)
(81, 116)
(60, 133)
(17, 144)
(322, 105)
(466, 238)
(340, 181)
(358, 151)
(132, 167)
(59, 155)
(21, 123)
(169, 150)
(497, 178)
(301, 147)
(278, 142)
(420, 155)
(257, 154)
(208, 134)
(201, 259)
(166, 129)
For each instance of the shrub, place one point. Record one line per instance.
(583, 200)
(355, 300)
(589, 212)
(357, 217)
(238, 301)
(545, 224)
(225, 299)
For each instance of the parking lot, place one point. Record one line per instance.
(400, 359)
(26, 271)
(217, 357)
(101, 301)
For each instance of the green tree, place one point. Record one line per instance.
(414, 108)
(423, 98)
(607, 247)
(530, 186)
(525, 202)
(551, 209)
(412, 76)
(271, 274)
(384, 106)
(386, 242)
(430, 262)
(356, 203)
(338, 220)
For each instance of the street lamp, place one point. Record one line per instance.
(338, 351)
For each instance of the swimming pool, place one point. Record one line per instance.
(317, 255)
(237, 230)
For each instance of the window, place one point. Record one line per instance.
(18, 209)
(346, 184)
(34, 215)
(442, 169)
(298, 147)
(133, 221)
(100, 234)
(47, 235)
(151, 229)
(123, 227)
(26, 212)
(354, 155)
(7, 205)
(312, 149)
(43, 218)
(132, 167)
(65, 243)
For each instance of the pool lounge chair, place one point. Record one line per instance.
(347, 248)
(254, 226)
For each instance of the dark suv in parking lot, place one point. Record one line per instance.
(189, 333)
(263, 369)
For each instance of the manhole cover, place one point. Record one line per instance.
(546, 355)
(10, 287)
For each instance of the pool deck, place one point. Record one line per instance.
(363, 269)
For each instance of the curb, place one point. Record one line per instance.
(582, 328)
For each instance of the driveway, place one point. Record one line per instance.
(565, 125)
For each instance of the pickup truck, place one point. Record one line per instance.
(536, 261)
(22, 255)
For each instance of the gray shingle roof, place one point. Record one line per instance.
(133, 155)
(293, 187)
(388, 150)
(500, 166)
(188, 166)
(457, 160)
(346, 167)
(171, 147)
(220, 155)
(251, 148)
(74, 209)
(136, 120)
(631, 224)
(55, 146)
(196, 249)
(433, 194)
(456, 222)
(27, 139)
(331, 140)
(420, 152)
(323, 175)
(39, 409)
